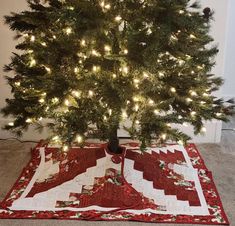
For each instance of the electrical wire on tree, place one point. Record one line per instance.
(89, 66)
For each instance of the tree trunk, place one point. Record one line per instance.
(113, 144)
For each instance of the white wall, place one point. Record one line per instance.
(229, 72)
(6, 41)
(7, 46)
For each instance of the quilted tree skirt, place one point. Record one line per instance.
(170, 184)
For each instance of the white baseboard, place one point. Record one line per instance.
(212, 135)
(31, 134)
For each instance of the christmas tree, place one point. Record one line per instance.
(89, 66)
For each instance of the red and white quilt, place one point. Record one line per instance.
(164, 184)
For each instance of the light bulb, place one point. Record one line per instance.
(156, 112)
(11, 124)
(124, 114)
(136, 107)
(95, 68)
(188, 57)
(41, 100)
(172, 58)
(145, 75)
(94, 52)
(203, 129)
(79, 139)
(114, 76)
(181, 62)
(48, 69)
(110, 111)
(173, 38)
(65, 148)
(205, 94)
(76, 70)
(161, 74)
(218, 114)
(199, 67)
(90, 93)
(54, 37)
(66, 102)
(107, 48)
(172, 89)
(108, 6)
(56, 138)
(192, 36)
(118, 18)
(32, 38)
(32, 63)
(151, 102)
(71, 8)
(17, 83)
(125, 70)
(181, 11)
(76, 93)
(136, 80)
(83, 42)
(163, 136)
(125, 51)
(136, 99)
(149, 31)
(43, 44)
(55, 100)
(193, 113)
(189, 100)
(193, 93)
(68, 30)
(137, 122)
(180, 142)
(29, 120)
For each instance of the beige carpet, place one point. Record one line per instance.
(219, 158)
